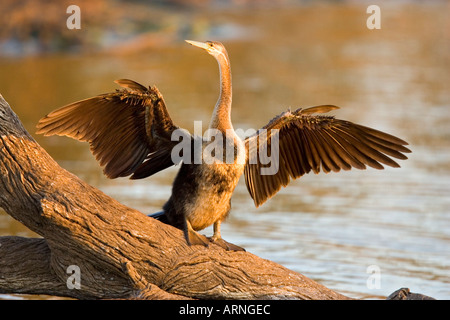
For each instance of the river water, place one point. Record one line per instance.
(344, 230)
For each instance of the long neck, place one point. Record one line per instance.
(221, 117)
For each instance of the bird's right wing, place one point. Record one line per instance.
(129, 130)
(308, 142)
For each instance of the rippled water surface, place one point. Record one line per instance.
(329, 227)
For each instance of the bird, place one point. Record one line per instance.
(131, 133)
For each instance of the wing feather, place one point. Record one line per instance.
(337, 153)
(123, 128)
(310, 142)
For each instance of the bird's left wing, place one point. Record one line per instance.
(295, 143)
(129, 130)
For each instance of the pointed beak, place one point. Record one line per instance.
(199, 44)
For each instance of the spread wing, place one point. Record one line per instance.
(310, 142)
(129, 130)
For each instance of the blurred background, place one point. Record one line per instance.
(284, 54)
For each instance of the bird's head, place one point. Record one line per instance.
(214, 48)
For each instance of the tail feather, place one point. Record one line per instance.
(160, 216)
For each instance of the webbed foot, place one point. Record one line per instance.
(225, 244)
(195, 238)
(217, 239)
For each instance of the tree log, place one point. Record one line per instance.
(118, 252)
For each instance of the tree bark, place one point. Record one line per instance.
(117, 251)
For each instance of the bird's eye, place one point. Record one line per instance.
(211, 44)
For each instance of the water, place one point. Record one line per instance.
(332, 227)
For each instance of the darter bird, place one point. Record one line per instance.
(130, 132)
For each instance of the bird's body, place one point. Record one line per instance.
(131, 133)
(202, 194)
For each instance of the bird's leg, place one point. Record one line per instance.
(193, 237)
(216, 236)
(217, 239)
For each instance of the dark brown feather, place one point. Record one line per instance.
(309, 142)
(123, 128)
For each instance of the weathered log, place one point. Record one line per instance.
(118, 251)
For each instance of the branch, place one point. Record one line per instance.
(118, 251)
(25, 268)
